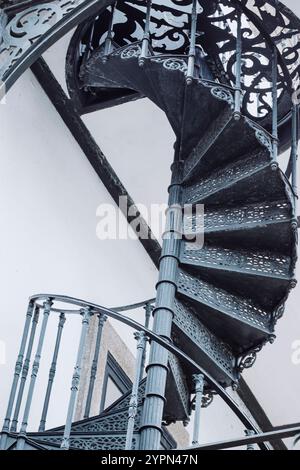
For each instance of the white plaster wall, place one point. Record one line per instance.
(49, 196)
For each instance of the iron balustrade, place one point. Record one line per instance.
(46, 304)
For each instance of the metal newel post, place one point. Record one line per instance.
(249, 433)
(52, 371)
(133, 405)
(35, 368)
(238, 73)
(101, 320)
(109, 37)
(146, 37)
(76, 379)
(199, 387)
(192, 50)
(163, 313)
(25, 370)
(18, 369)
(274, 164)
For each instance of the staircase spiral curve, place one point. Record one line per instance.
(235, 264)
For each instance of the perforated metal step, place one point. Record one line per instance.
(248, 180)
(237, 320)
(202, 345)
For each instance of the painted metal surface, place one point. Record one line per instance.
(231, 322)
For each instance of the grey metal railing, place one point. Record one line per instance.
(45, 304)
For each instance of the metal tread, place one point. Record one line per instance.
(246, 216)
(213, 132)
(177, 407)
(263, 264)
(119, 405)
(215, 99)
(227, 176)
(163, 71)
(125, 61)
(120, 68)
(202, 345)
(85, 441)
(237, 320)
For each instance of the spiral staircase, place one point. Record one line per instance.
(230, 246)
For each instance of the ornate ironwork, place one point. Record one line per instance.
(221, 300)
(171, 63)
(256, 63)
(218, 351)
(249, 359)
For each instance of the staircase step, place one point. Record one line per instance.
(247, 180)
(85, 441)
(167, 75)
(98, 74)
(177, 407)
(196, 125)
(126, 62)
(105, 440)
(193, 338)
(215, 129)
(121, 68)
(265, 225)
(120, 405)
(262, 275)
(220, 144)
(237, 320)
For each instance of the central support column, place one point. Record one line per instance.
(157, 369)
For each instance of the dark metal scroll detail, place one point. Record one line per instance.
(220, 92)
(261, 24)
(27, 26)
(171, 63)
(248, 360)
(207, 398)
(262, 136)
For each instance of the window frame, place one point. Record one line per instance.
(114, 371)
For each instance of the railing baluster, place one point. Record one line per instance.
(192, 50)
(199, 387)
(250, 432)
(62, 319)
(238, 73)
(133, 405)
(146, 36)
(25, 370)
(101, 320)
(18, 368)
(35, 368)
(109, 37)
(76, 379)
(148, 310)
(274, 164)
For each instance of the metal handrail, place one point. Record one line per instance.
(283, 432)
(95, 308)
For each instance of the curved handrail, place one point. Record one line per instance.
(125, 308)
(245, 420)
(40, 45)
